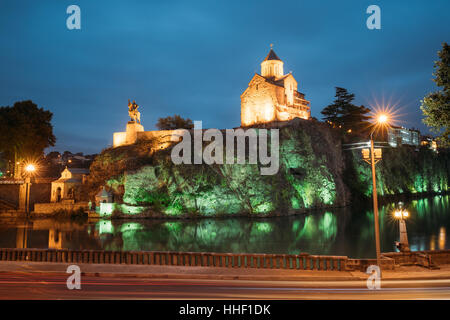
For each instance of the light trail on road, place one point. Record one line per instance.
(53, 286)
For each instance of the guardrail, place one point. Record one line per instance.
(427, 258)
(302, 261)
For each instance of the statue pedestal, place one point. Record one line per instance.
(132, 129)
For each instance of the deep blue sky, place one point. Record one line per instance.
(195, 58)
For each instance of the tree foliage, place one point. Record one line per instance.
(25, 130)
(175, 122)
(436, 105)
(342, 113)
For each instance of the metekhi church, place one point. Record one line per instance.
(270, 96)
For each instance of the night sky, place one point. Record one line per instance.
(195, 58)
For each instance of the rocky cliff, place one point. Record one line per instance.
(314, 172)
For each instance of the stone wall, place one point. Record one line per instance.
(10, 193)
(15, 193)
(40, 193)
(136, 133)
(161, 135)
(48, 208)
(257, 102)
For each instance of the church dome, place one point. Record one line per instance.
(272, 56)
(272, 66)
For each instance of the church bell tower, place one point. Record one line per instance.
(272, 66)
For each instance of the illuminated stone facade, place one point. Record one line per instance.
(135, 132)
(272, 95)
(64, 187)
(129, 136)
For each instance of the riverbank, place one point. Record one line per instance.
(362, 204)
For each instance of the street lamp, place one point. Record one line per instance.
(381, 119)
(401, 215)
(29, 169)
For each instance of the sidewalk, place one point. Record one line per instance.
(175, 272)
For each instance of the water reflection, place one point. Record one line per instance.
(339, 232)
(442, 238)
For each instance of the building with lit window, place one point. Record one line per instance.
(273, 95)
(398, 136)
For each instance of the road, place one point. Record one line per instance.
(21, 285)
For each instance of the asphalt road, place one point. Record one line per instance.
(19, 285)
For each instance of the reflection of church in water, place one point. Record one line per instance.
(51, 238)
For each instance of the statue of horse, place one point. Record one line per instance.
(134, 114)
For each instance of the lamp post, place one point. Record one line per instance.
(401, 214)
(375, 201)
(29, 169)
(374, 158)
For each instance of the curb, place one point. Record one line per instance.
(220, 277)
(252, 278)
(186, 276)
(229, 277)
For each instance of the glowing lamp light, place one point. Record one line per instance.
(399, 214)
(382, 118)
(30, 168)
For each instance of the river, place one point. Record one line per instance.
(344, 231)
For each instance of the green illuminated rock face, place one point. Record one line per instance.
(403, 170)
(314, 173)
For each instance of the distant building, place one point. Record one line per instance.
(272, 95)
(64, 187)
(398, 136)
(77, 160)
(429, 141)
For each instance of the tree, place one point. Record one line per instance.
(355, 118)
(332, 112)
(25, 131)
(53, 155)
(345, 115)
(436, 105)
(173, 123)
